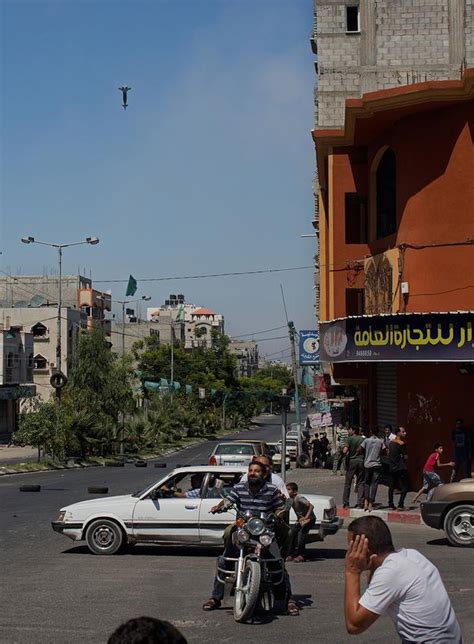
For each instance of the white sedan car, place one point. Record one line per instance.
(155, 514)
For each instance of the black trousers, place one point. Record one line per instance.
(356, 468)
(398, 480)
(298, 538)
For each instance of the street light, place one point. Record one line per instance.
(31, 240)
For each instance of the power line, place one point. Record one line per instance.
(245, 335)
(197, 277)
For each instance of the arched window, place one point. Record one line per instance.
(385, 200)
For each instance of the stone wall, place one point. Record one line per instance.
(400, 42)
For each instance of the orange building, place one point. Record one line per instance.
(396, 207)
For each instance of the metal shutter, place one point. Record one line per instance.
(386, 394)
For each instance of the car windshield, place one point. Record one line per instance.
(140, 492)
(235, 449)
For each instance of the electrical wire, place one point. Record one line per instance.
(197, 277)
(246, 335)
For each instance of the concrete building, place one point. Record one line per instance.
(16, 376)
(395, 198)
(30, 302)
(41, 323)
(192, 324)
(246, 353)
(370, 45)
(365, 46)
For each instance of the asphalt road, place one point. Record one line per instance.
(54, 591)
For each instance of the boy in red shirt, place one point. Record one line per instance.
(431, 478)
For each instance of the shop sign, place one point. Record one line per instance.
(421, 337)
(309, 347)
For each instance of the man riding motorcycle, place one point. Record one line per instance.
(256, 495)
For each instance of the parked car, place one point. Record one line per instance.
(275, 449)
(291, 448)
(155, 515)
(450, 508)
(234, 453)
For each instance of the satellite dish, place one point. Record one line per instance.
(22, 304)
(37, 300)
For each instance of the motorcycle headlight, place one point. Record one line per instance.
(255, 526)
(242, 535)
(266, 539)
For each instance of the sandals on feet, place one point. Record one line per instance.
(211, 604)
(292, 608)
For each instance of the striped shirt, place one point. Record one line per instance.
(266, 499)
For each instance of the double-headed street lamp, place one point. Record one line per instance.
(31, 240)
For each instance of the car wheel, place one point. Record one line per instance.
(459, 525)
(104, 537)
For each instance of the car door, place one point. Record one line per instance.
(168, 519)
(212, 526)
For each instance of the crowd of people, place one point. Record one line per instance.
(402, 584)
(367, 458)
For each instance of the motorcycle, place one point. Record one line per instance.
(259, 570)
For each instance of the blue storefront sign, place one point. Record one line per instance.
(309, 347)
(403, 337)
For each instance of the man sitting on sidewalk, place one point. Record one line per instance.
(404, 584)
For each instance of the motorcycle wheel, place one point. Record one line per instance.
(246, 599)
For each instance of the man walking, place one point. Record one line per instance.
(462, 451)
(373, 448)
(355, 467)
(339, 459)
(402, 584)
(398, 469)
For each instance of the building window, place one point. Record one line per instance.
(40, 362)
(385, 197)
(352, 19)
(356, 218)
(10, 359)
(355, 301)
(39, 330)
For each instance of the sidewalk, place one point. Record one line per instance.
(18, 454)
(317, 481)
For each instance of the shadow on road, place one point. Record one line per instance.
(438, 542)
(323, 555)
(146, 550)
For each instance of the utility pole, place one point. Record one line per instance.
(292, 334)
(172, 360)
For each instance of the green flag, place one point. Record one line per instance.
(131, 286)
(180, 314)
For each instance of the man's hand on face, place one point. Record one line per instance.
(357, 557)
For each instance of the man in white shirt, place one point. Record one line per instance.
(403, 584)
(271, 477)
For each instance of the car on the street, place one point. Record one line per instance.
(275, 449)
(291, 448)
(450, 508)
(155, 515)
(237, 452)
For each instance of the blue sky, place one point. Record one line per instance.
(209, 169)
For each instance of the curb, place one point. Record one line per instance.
(386, 515)
(151, 457)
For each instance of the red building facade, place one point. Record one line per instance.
(396, 247)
